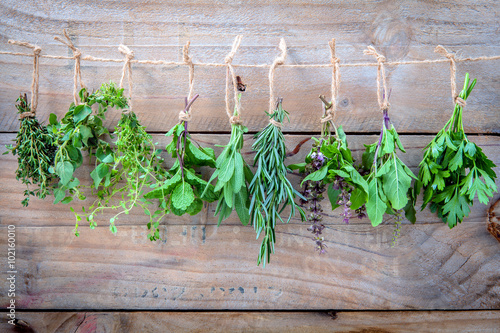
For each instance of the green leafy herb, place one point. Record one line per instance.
(330, 163)
(35, 149)
(232, 175)
(454, 170)
(185, 191)
(133, 166)
(389, 180)
(270, 189)
(80, 130)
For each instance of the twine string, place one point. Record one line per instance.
(188, 60)
(332, 106)
(382, 95)
(127, 68)
(280, 60)
(453, 74)
(234, 118)
(36, 76)
(77, 55)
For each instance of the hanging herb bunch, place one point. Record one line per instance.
(389, 180)
(233, 174)
(81, 130)
(185, 191)
(271, 192)
(134, 166)
(35, 149)
(452, 167)
(330, 164)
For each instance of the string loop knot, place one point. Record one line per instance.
(460, 101)
(129, 55)
(234, 117)
(383, 99)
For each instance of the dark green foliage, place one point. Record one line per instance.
(452, 167)
(35, 149)
(270, 190)
(80, 130)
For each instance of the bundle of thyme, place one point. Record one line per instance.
(270, 190)
(185, 191)
(35, 149)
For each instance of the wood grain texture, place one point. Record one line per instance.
(294, 322)
(43, 213)
(205, 267)
(402, 30)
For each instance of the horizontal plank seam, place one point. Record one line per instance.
(326, 311)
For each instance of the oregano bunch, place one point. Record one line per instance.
(329, 164)
(389, 180)
(134, 167)
(233, 174)
(185, 191)
(452, 168)
(271, 192)
(81, 130)
(35, 149)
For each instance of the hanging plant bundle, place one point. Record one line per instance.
(185, 191)
(452, 167)
(233, 174)
(330, 164)
(134, 166)
(270, 190)
(80, 130)
(35, 149)
(389, 180)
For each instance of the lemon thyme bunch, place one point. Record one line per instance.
(271, 192)
(185, 191)
(81, 130)
(233, 174)
(452, 167)
(133, 166)
(35, 149)
(329, 166)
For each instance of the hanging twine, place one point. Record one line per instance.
(332, 106)
(233, 118)
(36, 77)
(184, 115)
(383, 101)
(453, 70)
(77, 55)
(280, 60)
(127, 66)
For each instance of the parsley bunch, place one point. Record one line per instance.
(185, 191)
(232, 175)
(270, 189)
(135, 165)
(35, 149)
(80, 130)
(389, 180)
(452, 167)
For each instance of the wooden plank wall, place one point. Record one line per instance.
(204, 268)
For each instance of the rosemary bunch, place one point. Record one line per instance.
(134, 167)
(185, 191)
(452, 167)
(270, 189)
(81, 130)
(35, 149)
(233, 174)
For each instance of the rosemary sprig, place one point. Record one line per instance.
(270, 189)
(35, 149)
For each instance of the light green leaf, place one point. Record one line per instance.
(396, 184)
(81, 112)
(64, 170)
(182, 196)
(317, 175)
(375, 206)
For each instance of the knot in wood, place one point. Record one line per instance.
(184, 116)
(460, 101)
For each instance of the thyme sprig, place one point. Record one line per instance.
(452, 168)
(35, 149)
(271, 191)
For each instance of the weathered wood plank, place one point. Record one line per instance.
(386, 322)
(420, 96)
(205, 267)
(43, 213)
